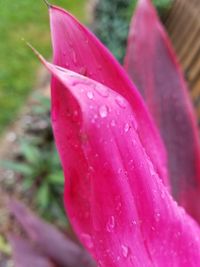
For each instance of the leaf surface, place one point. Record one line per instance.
(50, 242)
(26, 255)
(117, 203)
(76, 48)
(152, 65)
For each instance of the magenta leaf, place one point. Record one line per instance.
(26, 255)
(50, 242)
(152, 64)
(117, 203)
(77, 49)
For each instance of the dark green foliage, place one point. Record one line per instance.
(111, 24)
(112, 18)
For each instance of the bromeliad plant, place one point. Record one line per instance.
(120, 172)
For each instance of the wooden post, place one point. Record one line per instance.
(183, 26)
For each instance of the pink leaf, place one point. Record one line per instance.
(50, 241)
(77, 49)
(26, 255)
(152, 64)
(117, 203)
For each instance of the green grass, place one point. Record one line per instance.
(26, 19)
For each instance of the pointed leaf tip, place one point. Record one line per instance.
(47, 3)
(34, 50)
(39, 56)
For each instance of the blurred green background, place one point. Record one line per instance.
(26, 19)
(112, 22)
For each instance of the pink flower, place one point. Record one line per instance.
(117, 193)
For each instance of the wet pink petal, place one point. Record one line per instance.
(77, 49)
(118, 205)
(152, 64)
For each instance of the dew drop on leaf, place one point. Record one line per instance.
(126, 127)
(134, 222)
(135, 125)
(90, 95)
(125, 250)
(103, 111)
(74, 57)
(110, 224)
(113, 123)
(157, 216)
(120, 101)
(87, 240)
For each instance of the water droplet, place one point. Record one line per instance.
(151, 167)
(100, 264)
(125, 251)
(135, 124)
(127, 127)
(120, 170)
(157, 216)
(134, 222)
(90, 95)
(103, 111)
(101, 90)
(118, 258)
(91, 169)
(162, 194)
(120, 101)
(119, 206)
(113, 123)
(110, 224)
(87, 239)
(177, 234)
